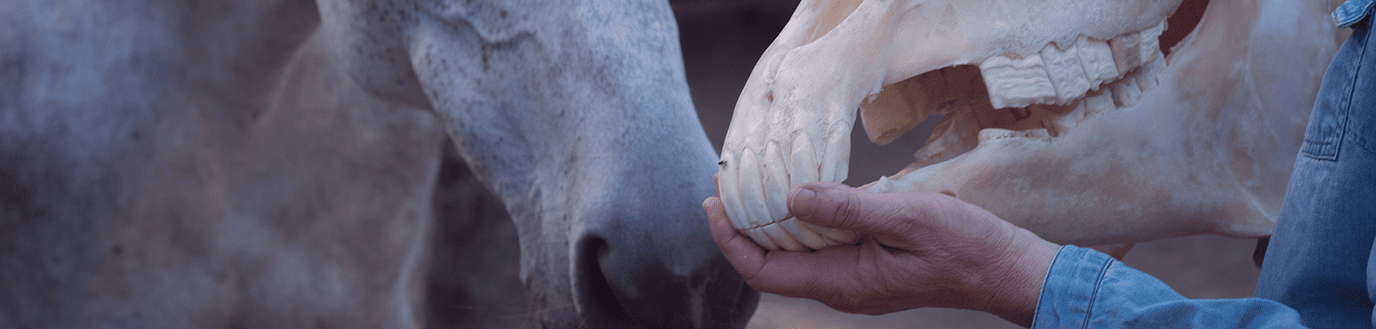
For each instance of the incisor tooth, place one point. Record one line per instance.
(1127, 52)
(730, 191)
(1096, 57)
(835, 235)
(775, 181)
(1017, 83)
(804, 235)
(835, 162)
(803, 166)
(1066, 73)
(761, 238)
(751, 187)
(782, 239)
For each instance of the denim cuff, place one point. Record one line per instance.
(1070, 287)
(1351, 12)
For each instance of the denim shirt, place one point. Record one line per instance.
(1088, 289)
(1351, 12)
(1320, 269)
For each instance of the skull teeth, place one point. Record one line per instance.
(1061, 74)
(1017, 82)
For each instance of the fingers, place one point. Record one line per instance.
(795, 274)
(743, 254)
(842, 207)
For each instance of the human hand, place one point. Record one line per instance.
(921, 250)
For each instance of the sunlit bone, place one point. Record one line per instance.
(1198, 142)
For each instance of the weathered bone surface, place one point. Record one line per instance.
(1059, 116)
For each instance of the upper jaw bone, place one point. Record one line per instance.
(834, 54)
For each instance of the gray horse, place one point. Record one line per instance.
(274, 163)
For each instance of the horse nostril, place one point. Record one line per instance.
(644, 283)
(594, 293)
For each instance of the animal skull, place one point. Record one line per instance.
(1063, 117)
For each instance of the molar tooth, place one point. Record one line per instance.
(1017, 83)
(775, 181)
(1146, 76)
(782, 239)
(1096, 58)
(1038, 133)
(751, 186)
(1063, 123)
(761, 238)
(1126, 92)
(1127, 52)
(807, 236)
(1151, 42)
(1066, 73)
(1098, 102)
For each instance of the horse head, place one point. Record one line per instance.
(577, 115)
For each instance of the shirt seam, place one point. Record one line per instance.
(1094, 294)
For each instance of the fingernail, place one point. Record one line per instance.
(801, 202)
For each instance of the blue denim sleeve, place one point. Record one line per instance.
(1088, 289)
(1351, 12)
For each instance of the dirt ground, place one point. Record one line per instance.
(721, 42)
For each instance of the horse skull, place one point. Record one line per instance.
(1061, 116)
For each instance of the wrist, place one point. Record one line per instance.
(1017, 283)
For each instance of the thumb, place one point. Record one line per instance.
(839, 206)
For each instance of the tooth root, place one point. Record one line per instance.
(1126, 93)
(804, 235)
(1017, 83)
(1061, 124)
(837, 236)
(1098, 102)
(730, 192)
(1127, 52)
(835, 162)
(782, 239)
(761, 238)
(1066, 73)
(1096, 58)
(751, 185)
(775, 181)
(1151, 42)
